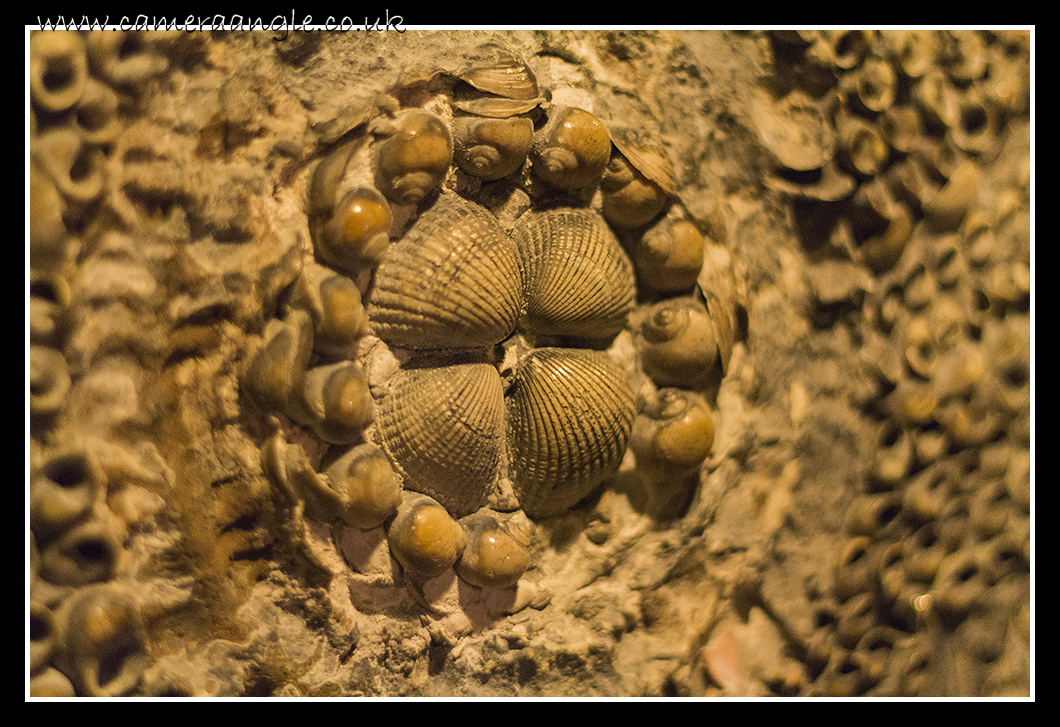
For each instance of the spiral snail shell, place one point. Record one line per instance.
(677, 343)
(577, 279)
(334, 302)
(451, 281)
(491, 148)
(336, 402)
(443, 429)
(368, 484)
(672, 435)
(415, 159)
(669, 256)
(570, 414)
(358, 232)
(495, 556)
(423, 538)
(639, 180)
(58, 69)
(572, 150)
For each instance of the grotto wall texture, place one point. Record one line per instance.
(530, 363)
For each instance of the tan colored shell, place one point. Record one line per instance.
(572, 149)
(648, 156)
(278, 369)
(357, 234)
(58, 69)
(495, 556)
(669, 257)
(672, 435)
(677, 343)
(368, 485)
(491, 148)
(415, 159)
(794, 130)
(570, 414)
(451, 281)
(336, 402)
(497, 70)
(577, 278)
(443, 429)
(62, 492)
(423, 537)
(495, 107)
(49, 380)
(334, 302)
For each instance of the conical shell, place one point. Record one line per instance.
(577, 278)
(443, 429)
(451, 281)
(570, 415)
(494, 69)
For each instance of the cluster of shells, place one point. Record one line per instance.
(886, 136)
(476, 251)
(91, 474)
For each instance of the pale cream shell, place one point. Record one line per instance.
(443, 429)
(577, 278)
(570, 415)
(451, 282)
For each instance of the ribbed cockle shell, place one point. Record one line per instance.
(443, 430)
(570, 414)
(494, 69)
(451, 281)
(577, 278)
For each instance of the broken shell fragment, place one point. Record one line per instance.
(415, 159)
(495, 556)
(570, 415)
(423, 538)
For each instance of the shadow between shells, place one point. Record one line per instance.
(492, 374)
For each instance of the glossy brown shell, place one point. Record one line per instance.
(443, 429)
(415, 159)
(451, 281)
(578, 280)
(570, 414)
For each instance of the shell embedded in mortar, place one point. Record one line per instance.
(451, 281)
(570, 414)
(443, 429)
(577, 278)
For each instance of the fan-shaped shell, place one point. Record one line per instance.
(648, 156)
(570, 415)
(577, 278)
(451, 281)
(497, 70)
(443, 429)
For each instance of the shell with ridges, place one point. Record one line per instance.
(496, 70)
(577, 278)
(648, 156)
(451, 281)
(443, 429)
(570, 414)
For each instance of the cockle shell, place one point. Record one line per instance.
(577, 278)
(443, 429)
(494, 69)
(648, 156)
(570, 414)
(451, 281)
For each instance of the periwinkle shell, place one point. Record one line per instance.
(570, 414)
(443, 429)
(451, 281)
(577, 278)
(415, 160)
